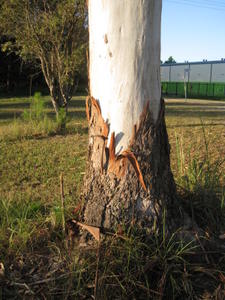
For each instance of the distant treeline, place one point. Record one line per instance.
(19, 77)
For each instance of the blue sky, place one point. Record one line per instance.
(193, 30)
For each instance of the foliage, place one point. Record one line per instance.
(52, 32)
(170, 60)
(62, 118)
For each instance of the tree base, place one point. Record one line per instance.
(135, 187)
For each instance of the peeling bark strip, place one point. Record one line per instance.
(95, 118)
(98, 132)
(127, 154)
(118, 164)
(112, 193)
(115, 164)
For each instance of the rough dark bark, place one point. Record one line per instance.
(135, 187)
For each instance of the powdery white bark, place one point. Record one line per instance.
(124, 62)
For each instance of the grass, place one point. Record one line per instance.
(40, 262)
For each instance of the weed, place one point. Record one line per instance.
(36, 111)
(202, 180)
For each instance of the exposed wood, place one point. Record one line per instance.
(118, 164)
(101, 128)
(112, 155)
(87, 108)
(98, 131)
(134, 132)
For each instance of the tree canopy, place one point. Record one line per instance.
(52, 33)
(170, 60)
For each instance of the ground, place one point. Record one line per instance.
(32, 159)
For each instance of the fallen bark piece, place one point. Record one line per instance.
(2, 270)
(222, 236)
(94, 231)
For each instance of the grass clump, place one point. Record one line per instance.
(36, 111)
(19, 129)
(128, 265)
(18, 223)
(33, 122)
(201, 181)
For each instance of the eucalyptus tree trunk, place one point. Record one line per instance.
(128, 178)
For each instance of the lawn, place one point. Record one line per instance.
(33, 248)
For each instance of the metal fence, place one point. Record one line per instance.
(194, 89)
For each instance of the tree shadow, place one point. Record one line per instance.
(205, 105)
(15, 105)
(204, 207)
(195, 125)
(78, 114)
(77, 103)
(10, 115)
(195, 114)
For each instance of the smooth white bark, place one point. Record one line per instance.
(124, 65)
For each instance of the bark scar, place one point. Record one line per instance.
(133, 160)
(118, 164)
(98, 127)
(94, 115)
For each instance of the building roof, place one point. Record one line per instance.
(204, 62)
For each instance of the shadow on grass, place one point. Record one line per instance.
(15, 104)
(78, 130)
(71, 115)
(77, 103)
(204, 207)
(194, 125)
(205, 105)
(10, 115)
(194, 114)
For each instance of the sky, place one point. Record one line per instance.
(193, 30)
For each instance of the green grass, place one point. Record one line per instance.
(39, 261)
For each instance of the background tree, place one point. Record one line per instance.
(128, 177)
(52, 32)
(170, 60)
(17, 75)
